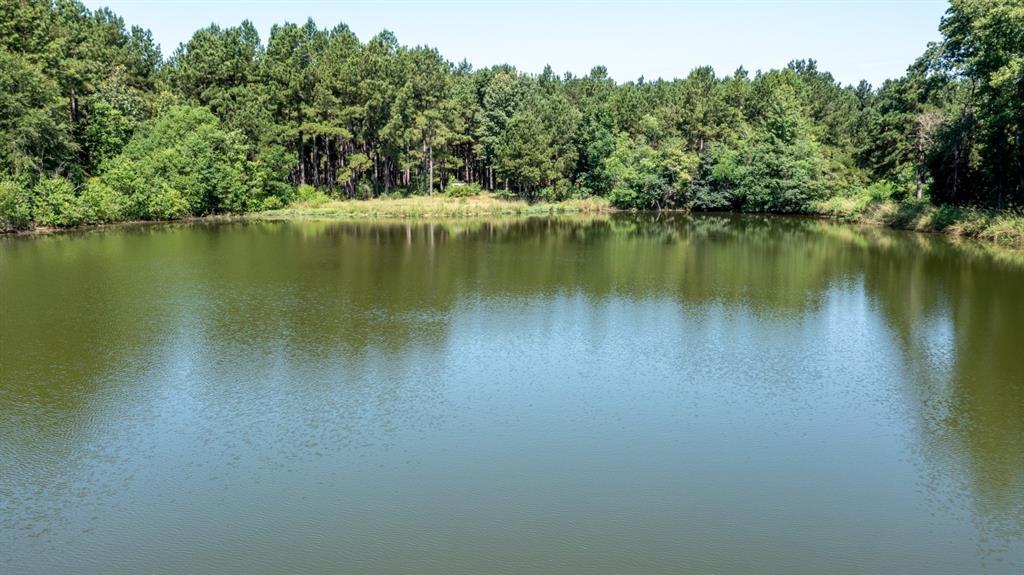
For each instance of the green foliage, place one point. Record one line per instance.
(55, 204)
(502, 194)
(770, 176)
(364, 189)
(104, 134)
(229, 123)
(182, 163)
(461, 190)
(881, 191)
(100, 203)
(15, 206)
(980, 145)
(637, 175)
(646, 177)
(34, 132)
(702, 192)
(271, 203)
(309, 196)
(58, 204)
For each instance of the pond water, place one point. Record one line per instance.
(628, 394)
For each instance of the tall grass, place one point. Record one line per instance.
(876, 207)
(438, 206)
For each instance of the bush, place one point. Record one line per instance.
(461, 190)
(625, 197)
(183, 163)
(702, 195)
(164, 203)
(267, 176)
(768, 175)
(15, 207)
(271, 203)
(100, 203)
(56, 204)
(552, 194)
(640, 177)
(881, 191)
(503, 194)
(397, 193)
(581, 193)
(364, 189)
(304, 193)
(309, 196)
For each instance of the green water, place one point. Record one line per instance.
(707, 394)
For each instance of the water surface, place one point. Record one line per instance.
(733, 394)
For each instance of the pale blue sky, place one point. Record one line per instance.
(854, 39)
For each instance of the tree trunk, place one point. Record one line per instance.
(920, 175)
(302, 159)
(376, 173)
(1020, 164)
(430, 161)
(314, 163)
(74, 107)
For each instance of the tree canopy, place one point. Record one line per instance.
(228, 123)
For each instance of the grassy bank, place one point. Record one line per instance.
(1005, 228)
(432, 207)
(1001, 227)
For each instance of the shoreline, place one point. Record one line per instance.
(1003, 228)
(999, 228)
(51, 231)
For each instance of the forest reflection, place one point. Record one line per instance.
(407, 278)
(312, 292)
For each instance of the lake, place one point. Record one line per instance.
(620, 394)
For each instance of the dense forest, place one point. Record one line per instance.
(96, 125)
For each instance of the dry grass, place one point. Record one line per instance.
(1005, 228)
(432, 207)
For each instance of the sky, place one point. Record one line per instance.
(854, 39)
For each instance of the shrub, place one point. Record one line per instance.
(165, 203)
(556, 193)
(15, 207)
(638, 176)
(267, 176)
(624, 197)
(304, 192)
(364, 189)
(943, 217)
(396, 193)
(182, 163)
(881, 191)
(271, 203)
(309, 196)
(100, 203)
(56, 204)
(581, 193)
(772, 176)
(1005, 228)
(461, 190)
(503, 194)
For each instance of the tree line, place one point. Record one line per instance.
(95, 125)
